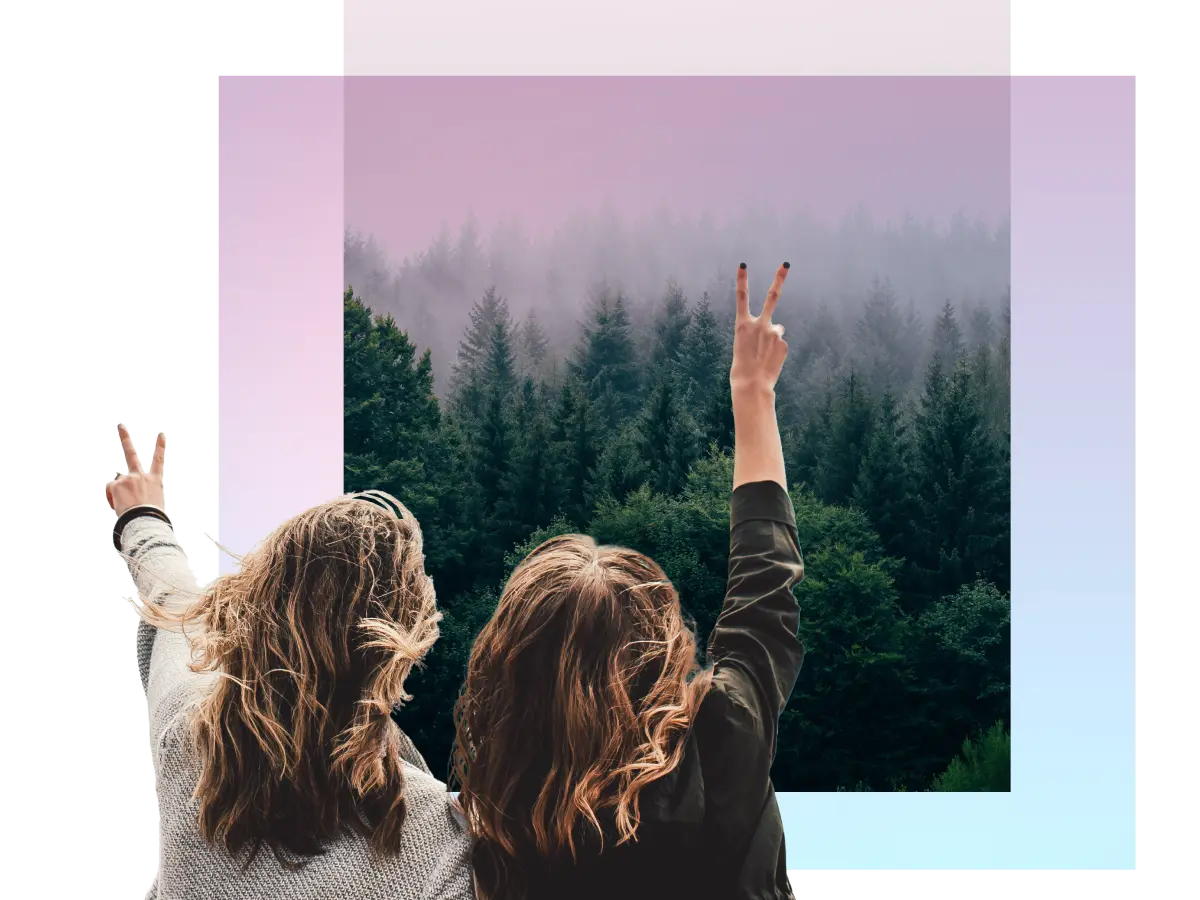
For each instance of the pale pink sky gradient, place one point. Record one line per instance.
(426, 151)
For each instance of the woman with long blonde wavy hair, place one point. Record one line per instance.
(279, 769)
(596, 757)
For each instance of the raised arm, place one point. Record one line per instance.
(754, 646)
(144, 536)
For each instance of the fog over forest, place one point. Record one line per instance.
(511, 389)
(835, 270)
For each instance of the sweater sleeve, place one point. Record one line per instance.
(160, 569)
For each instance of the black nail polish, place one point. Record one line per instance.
(742, 266)
(787, 265)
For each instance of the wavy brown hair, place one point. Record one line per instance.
(311, 640)
(578, 694)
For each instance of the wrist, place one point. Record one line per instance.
(753, 397)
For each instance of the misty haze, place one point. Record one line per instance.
(430, 292)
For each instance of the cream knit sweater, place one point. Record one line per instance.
(434, 858)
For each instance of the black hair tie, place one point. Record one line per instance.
(136, 512)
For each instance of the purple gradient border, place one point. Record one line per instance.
(1072, 803)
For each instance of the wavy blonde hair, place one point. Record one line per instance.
(578, 694)
(312, 640)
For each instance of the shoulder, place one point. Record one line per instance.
(730, 732)
(731, 704)
(432, 811)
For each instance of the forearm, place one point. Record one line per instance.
(758, 449)
(164, 583)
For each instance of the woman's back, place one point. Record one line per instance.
(433, 857)
(710, 828)
(596, 757)
(279, 770)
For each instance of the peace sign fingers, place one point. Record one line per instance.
(138, 488)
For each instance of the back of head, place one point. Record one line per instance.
(578, 693)
(312, 639)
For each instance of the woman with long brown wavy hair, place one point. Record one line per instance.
(279, 769)
(596, 757)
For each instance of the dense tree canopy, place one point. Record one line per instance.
(896, 438)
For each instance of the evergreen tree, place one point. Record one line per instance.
(982, 766)
(704, 356)
(574, 438)
(821, 337)
(499, 372)
(392, 431)
(490, 469)
(716, 421)
(621, 468)
(389, 410)
(669, 438)
(670, 328)
(877, 337)
(982, 327)
(883, 489)
(989, 377)
(847, 719)
(912, 344)
(812, 440)
(845, 443)
(961, 489)
(947, 343)
(476, 352)
(533, 343)
(605, 360)
(529, 490)
(964, 665)
(493, 452)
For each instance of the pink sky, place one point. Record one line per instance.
(426, 151)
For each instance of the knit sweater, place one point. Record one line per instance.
(433, 862)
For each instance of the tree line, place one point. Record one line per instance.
(896, 437)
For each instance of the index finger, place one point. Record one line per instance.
(131, 457)
(743, 293)
(776, 287)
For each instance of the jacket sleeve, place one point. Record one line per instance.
(755, 652)
(756, 658)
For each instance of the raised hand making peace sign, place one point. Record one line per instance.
(758, 346)
(138, 488)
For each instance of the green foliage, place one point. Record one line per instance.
(900, 493)
(947, 342)
(964, 664)
(670, 329)
(847, 719)
(605, 360)
(840, 452)
(962, 517)
(983, 766)
(883, 487)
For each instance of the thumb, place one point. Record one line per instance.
(108, 495)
